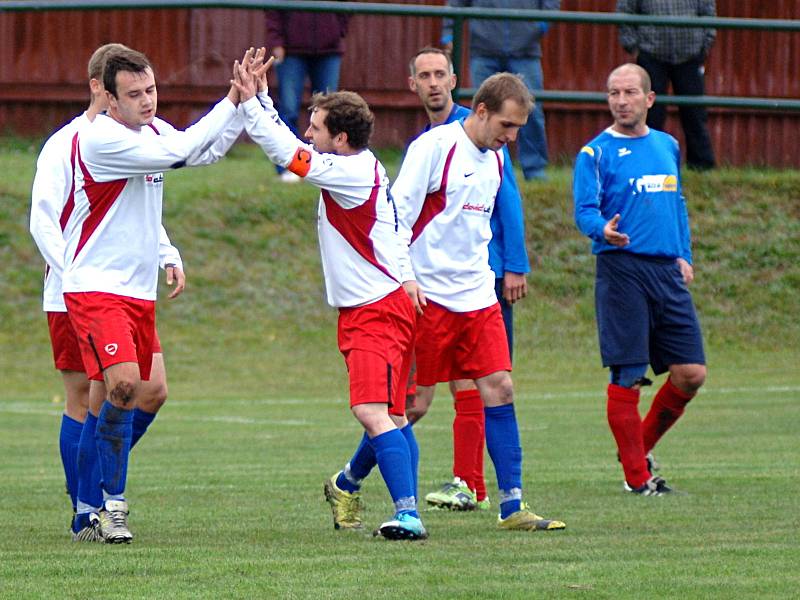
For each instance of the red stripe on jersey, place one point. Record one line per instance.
(69, 205)
(153, 127)
(355, 224)
(434, 202)
(101, 197)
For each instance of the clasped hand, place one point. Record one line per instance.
(250, 75)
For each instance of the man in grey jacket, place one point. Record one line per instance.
(513, 46)
(677, 55)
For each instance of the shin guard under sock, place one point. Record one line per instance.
(113, 437)
(502, 441)
(413, 452)
(667, 407)
(69, 439)
(141, 421)
(362, 463)
(626, 426)
(394, 461)
(89, 492)
(468, 440)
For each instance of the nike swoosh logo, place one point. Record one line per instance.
(468, 174)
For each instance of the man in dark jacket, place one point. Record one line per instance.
(304, 44)
(677, 55)
(513, 46)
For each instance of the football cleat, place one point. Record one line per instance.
(652, 464)
(655, 486)
(484, 504)
(114, 522)
(525, 520)
(454, 495)
(347, 507)
(90, 533)
(402, 527)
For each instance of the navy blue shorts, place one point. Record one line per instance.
(645, 313)
(508, 314)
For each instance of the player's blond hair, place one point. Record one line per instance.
(501, 87)
(99, 56)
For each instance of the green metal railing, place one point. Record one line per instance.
(459, 16)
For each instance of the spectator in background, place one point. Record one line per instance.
(676, 55)
(513, 46)
(304, 44)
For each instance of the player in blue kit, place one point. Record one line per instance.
(628, 200)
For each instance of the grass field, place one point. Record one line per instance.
(226, 488)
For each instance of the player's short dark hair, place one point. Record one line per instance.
(124, 60)
(99, 57)
(501, 87)
(412, 64)
(347, 113)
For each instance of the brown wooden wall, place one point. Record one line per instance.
(43, 59)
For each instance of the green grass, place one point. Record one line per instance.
(227, 502)
(226, 489)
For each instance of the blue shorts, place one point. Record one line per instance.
(508, 314)
(645, 313)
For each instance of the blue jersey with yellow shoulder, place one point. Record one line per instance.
(507, 251)
(639, 178)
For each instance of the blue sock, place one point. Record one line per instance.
(413, 450)
(113, 437)
(68, 441)
(502, 441)
(358, 468)
(89, 493)
(141, 421)
(80, 521)
(394, 461)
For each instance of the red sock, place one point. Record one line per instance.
(480, 482)
(667, 407)
(468, 439)
(626, 425)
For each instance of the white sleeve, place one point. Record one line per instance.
(414, 182)
(348, 178)
(223, 143)
(266, 129)
(51, 187)
(167, 253)
(121, 156)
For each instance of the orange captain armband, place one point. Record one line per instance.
(301, 162)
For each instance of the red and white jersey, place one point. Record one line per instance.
(112, 235)
(362, 253)
(445, 194)
(52, 201)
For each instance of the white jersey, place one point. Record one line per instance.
(362, 253)
(112, 235)
(445, 194)
(52, 202)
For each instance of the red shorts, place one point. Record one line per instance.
(377, 343)
(113, 329)
(66, 352)
(460, 345)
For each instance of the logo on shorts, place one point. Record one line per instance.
(111, 349)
